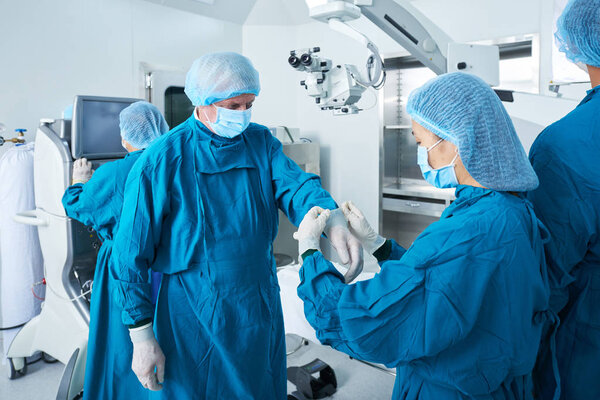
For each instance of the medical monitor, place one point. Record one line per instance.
(95, 127)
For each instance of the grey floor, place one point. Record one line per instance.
(40, 382)
(355, 380)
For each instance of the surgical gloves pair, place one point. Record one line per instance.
(148, 361)
(82, 171)
(360, 227)
(333, 223)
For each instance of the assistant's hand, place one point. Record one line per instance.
(148, 361)
(361, 228)
(347, 246)
(311, 228)
(82, 171)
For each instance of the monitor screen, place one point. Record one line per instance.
(96, 132)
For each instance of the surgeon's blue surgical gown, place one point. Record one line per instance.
(98, 203)
(459, 314)
(566, 158)
(203, 210)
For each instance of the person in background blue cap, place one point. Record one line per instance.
(460, 313)
(201, 206)
(96, 199)
(565, 157)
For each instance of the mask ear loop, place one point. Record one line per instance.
(454, 159)
(435, 144)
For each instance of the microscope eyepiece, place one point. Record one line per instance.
(306, 59)
(294, 61)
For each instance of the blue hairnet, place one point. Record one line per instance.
(219, 76)
(578, 32)
(141, 123)
(465, 111)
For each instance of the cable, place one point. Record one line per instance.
(83, 294)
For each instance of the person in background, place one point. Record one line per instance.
(96, 199)
(201, 206)
(565, 157)
(460, 313)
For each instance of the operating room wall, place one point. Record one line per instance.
(54, 50)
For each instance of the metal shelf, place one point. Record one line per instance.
(397, 127)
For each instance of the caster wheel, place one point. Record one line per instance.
(48, 359)
(14, 373)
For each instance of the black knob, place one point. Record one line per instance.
(316, 49)
(294, 61)
(462, 65)
(302, 83)
(344, 110)
(306, 59)
(318, 100)
(319, 81)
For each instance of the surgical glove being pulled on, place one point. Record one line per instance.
(360, 227)
(148, 362)
(346, 245)
(311, 229)
(82, 171)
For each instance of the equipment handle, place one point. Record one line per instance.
(29, 218)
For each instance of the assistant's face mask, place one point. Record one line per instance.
(230, 123)
(442, 178)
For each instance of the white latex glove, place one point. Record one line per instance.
(148, 361)
(311, 228)
(82, 171)
(360, 227)
(347, 246)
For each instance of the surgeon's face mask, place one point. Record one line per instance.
(442, 178)
(230, 123)
(582, 67)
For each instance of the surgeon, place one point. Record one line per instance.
(460, 313)
(201, 206)
(96, 200)
(565, 157)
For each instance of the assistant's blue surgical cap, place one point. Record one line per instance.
(578, 32)
(219, 76)
(464, 110)
(141, 123)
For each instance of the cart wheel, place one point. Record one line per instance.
(23, 370)
(48, 359)
(12, 372)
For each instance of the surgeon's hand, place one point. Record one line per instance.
(360, 227)
(347, 246)
(148, 361)
(311, 229)
(82, 171)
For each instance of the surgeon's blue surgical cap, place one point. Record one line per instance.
(465, 111)
(141, 123)
(219, 76)
(578, 32)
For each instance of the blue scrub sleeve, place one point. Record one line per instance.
(404, 313)
(145, 205)
(296, 191)
(91, 204)
(566, 215)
